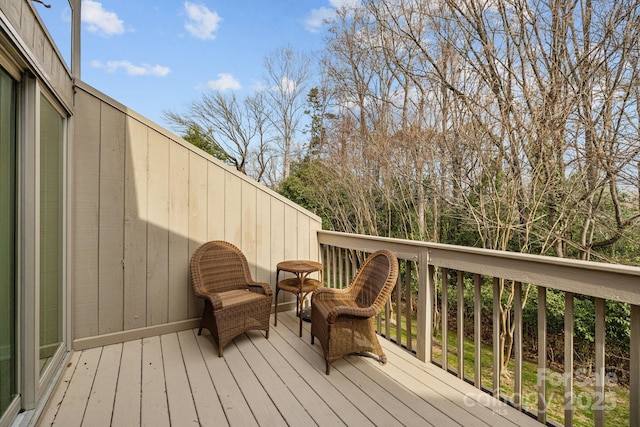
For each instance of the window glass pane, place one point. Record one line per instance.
(7, 240)
(51, 168)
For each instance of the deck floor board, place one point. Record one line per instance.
(178, 379)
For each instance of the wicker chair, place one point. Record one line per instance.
(234, 302)
(342, 319)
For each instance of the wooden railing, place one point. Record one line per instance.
(418, 316)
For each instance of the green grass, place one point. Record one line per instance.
(616, 395)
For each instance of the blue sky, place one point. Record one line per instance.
(156, 55)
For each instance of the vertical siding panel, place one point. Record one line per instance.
(157, 230)
(86, 206)
(13, 12)
(264, 262)
(314, 247)
(248, 226)
(135, 236)
(111, 241)
(290, 233)
(215, 201)
(233, 210)
(277, 236)
(179, 288)
(303, 236)
(197, 216)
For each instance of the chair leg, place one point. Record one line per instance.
(328, 367)
(275, 321)
(301, 321)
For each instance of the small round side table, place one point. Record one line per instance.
(301, 284)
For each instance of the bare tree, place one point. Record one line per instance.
(543, 97)
(287, 80)
(238, 128)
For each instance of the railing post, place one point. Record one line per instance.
(426, 288)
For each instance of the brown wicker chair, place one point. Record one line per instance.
(234, 302)
(342, 319)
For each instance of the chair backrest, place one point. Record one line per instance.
(374, 281)
(218, 266)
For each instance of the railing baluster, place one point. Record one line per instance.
(341, 268)
(517, 338)
(568, 359)
(444, 281)
(460, 321)
(408, 304)
(542, 354)
(334, 262)
(497, 352)
(387, 315)
(599, 370)
(477, 331)
(378, 317)
(398, 292)
(634, 367)
(325, 262)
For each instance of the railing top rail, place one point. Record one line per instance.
(610, 281)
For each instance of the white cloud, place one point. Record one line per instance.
(99, 20)
(287, 85)
(131, 69)
(317, 18)
(202, 23)
(225, 81)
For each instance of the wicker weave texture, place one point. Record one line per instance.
(234, 302)
(342, 319)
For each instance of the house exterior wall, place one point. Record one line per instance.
(143, 200)
(43, 56)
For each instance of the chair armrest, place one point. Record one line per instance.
(261, 288)
(343, 310)
(215, 300)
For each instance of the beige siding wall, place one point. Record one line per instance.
(143, 201)
(42, 55)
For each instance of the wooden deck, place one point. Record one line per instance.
(177, 379)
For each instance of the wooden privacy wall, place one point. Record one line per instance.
(142, 201)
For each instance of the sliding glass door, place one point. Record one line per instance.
(8, 353)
